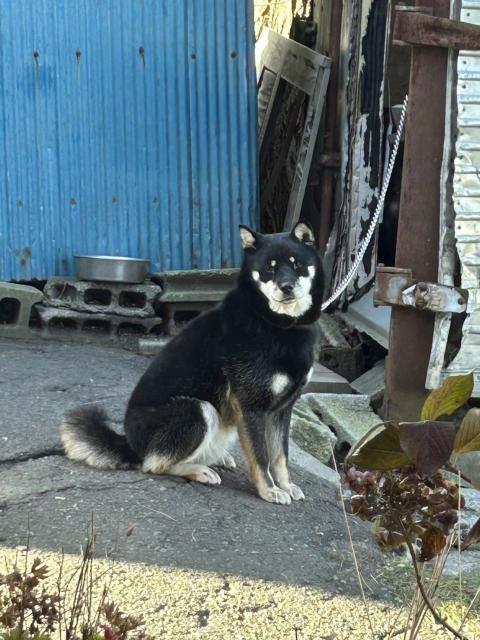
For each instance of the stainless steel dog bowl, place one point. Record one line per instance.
(111, 269)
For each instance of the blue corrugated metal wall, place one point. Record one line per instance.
(127, 128)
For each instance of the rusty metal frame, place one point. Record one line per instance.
(395, 286)
(423, 200)
(412, 28)
(411, 332)
(308, 71)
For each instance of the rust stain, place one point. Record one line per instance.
(19, 203)
(114, 199)
(36, 55)
(73, 202)
(27, 252)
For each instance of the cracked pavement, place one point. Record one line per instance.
(226, 529)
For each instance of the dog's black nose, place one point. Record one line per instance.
(286, 287)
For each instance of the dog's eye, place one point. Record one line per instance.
(295, 262)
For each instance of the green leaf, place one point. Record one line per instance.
(473, 536)
(454, 392)
(468, 436)
(428, 444)
(382, 452)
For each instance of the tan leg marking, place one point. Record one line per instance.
(281, 475)
(269, 492)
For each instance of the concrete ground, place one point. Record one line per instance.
(181, 604)
(289, 562)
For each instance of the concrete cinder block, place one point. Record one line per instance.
(330, 333)
(152, 346)
(308, 430)
(209, 285)
(312, 465)
(135, 300)
(333, 351)
(16, 302)
(325, 381)
(186, 294)
(348, 362)
(350, 416)
(177, 314)
(469, 464)
(372, 383)
(101, 327)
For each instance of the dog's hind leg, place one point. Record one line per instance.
(217, 454)
(182, 434)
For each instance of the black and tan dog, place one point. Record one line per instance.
(239, 367)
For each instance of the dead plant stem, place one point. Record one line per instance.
(436, 616)
(354, 555)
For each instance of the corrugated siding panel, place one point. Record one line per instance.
(466, 197)
(131, 131)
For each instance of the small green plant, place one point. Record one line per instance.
(396, 480)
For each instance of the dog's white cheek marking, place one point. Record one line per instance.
(268, 289)
(255, 276)
(280, 382)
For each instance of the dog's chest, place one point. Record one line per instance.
(289, 375)
(279, 364)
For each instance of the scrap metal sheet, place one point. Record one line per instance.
(466, 199)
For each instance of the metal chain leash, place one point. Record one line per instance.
(378, 210)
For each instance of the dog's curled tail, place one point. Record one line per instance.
(86, 437)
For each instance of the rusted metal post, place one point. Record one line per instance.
(411, 331)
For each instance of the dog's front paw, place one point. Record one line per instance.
(295, 492)
(275, 495)
(205, 475)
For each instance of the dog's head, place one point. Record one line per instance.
(285, 269)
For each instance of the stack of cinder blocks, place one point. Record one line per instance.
(82, 310)
(100, 309)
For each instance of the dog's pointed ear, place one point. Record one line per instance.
(303, 232)
(248, 237)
